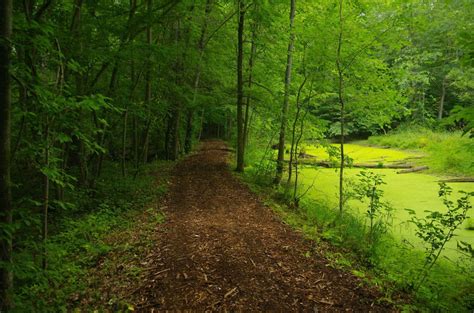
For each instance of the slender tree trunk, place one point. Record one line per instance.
(201, 125)
(253, 50)
(188, 139)
(293, 149)
(124, 142)
(167, 138)
(286, 99)
(342, 109)
(441, 101)
(240, 85)
(84, 176)
(149, 39)
(135, 141)
(6, 276)
(45, 196)
(298, 140)
(146, 141)
(174, 134)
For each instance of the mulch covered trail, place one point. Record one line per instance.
(222, 249)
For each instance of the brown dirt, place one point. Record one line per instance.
(221, 249)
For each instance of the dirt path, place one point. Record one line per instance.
(222, 249)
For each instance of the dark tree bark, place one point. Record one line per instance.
(286, 99)
(6, 277)
(188, 138)
(240, 85)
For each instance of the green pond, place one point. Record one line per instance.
(417, 191)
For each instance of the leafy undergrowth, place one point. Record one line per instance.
(387, 263)
(106, 228)
(447, 152)
(113, 279)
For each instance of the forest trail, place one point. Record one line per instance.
(222, 249)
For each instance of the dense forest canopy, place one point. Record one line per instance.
(88, 83)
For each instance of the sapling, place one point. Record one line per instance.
(369, 189)
(437, 228)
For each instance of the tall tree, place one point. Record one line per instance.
(240, 87)
(148, 81)
(286, 98)
(253, 52)
(340, 90)
(6, 277)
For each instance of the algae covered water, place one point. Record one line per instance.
(416, 191)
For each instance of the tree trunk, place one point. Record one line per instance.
(174, 134)
(253, 50)
(201, 125)
(240, 85)
(146, 141)
(342, 109)
(45, 197)
(6, 276)
(188, 139)
(124, 142)
(441, 101)
(135, 141)
(286, 99)
(298, 140)
(293, 149)
(149, 39)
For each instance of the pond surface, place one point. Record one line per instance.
(417, 191)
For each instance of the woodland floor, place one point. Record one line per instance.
(221, 249)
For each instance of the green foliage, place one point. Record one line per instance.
(437, 228)
(79, 238)
(97, 82)
(463, 115)
(378, 211)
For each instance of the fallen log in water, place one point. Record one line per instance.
(413, 169)
(458, 180)
(363, 165)
(328, 164)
